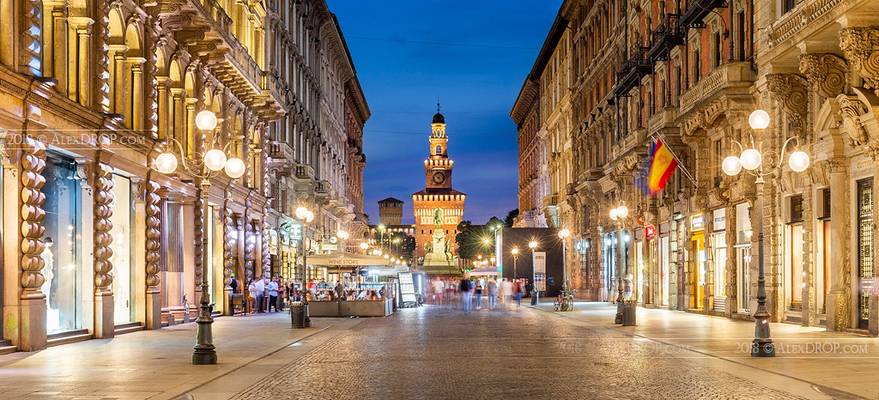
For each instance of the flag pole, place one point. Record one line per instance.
(680, 163)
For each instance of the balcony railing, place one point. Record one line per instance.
(801, 17)
(632, 71)
(732, 76)
(302, 171)
(697, 10)
(281, 151)
(668, 34)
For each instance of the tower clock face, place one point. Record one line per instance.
(438, 178)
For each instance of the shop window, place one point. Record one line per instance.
(865, 248)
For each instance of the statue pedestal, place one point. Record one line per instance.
(437, 261)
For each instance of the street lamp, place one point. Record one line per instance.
(364, 246)
(305, 216)
(515, 252)
(212, 161)
(534, 292)
(618, 215)
(752, 161)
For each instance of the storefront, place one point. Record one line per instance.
(793, 254)
(125, 277)
(67, 282)
(743, 258)
(664, 264)
(172, 282)
(697, 262)
(822, 247)
(719, 248)
(609, 266)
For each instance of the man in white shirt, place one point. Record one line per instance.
(259, 288)
(273, 295)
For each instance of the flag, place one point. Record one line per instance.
(662, 166)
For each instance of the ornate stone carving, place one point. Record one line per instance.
(151, 118)
(153, 242)
(825, 73)
(31, 42)
(860, 47)
(266, 256)
(791, 91)
(102, 61)
(103, 211)
(32, 163)
(229, 238)
(249, 248)
(851, 109)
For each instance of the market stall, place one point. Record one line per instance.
(346, 291)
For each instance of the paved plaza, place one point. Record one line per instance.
(437, 352)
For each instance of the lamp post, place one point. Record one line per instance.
(532, 245)
(515, 252)
(751, 160)
(564, 234)
(381, 240)
(618, 215)
(212, 161)
(305, 216)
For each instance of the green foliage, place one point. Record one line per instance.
(472, 238)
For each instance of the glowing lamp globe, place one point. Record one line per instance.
(565, 232)
(165, 163)
(758, 119)
(731, 166)
(342, 235)
(234, 167)
(515, 251)
(301, 212)
(798, 161)
(623, 211)
(364, 246)
(206, 120)
(614, 213)
(215, 160)
(751, 159)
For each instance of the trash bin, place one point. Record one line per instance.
(297, 314)
(534, 297)
(629, 308)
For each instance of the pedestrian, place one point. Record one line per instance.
(234, 284)
(492, 294)
(478, 292)
(517, 293)
(259, 289)
(273, 295)
(251, 297)
(465, 288)
(506, 291)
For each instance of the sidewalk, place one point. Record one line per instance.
(149, 364)
(841, 361)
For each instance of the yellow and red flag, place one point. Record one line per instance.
(662, 166)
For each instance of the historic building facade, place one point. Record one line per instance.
(95, 240)
(690, 73)
(438, 205)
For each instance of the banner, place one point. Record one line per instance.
(539, 261)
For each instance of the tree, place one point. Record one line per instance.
(511, 217)
(474, 240)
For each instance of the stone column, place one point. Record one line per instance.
(30, 60)
(78, 87)
(104, 326)
(153, 254)
(229, 238)
(839, 300)
(731, 263)
(101, 48)
(32, 302)
(136, 93)
(199, 232)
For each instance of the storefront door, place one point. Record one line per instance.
(865, 249)
(719, 239)
(822, 276)
(62, 255)
(794, 280)
(123, 265)
(665, 250)
(696, 279)
(610, 255)
(743, 257)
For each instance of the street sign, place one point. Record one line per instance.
(539, 270)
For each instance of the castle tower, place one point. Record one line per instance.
(438, 207)
(390, 211)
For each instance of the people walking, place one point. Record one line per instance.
(250, 301)
(478, 292)
(492, 294)
(259, 289)
(465, 288)
(517, 293)
(506, 291)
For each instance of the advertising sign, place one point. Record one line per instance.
(407, 288)
(650, 231)
(539, 270)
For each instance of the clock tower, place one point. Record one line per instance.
(438, 207)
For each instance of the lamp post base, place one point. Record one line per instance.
(762, 348)
(205, 353)
(619, 317)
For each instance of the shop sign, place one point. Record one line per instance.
(539, 261)
(407, 288)
(719, 222)
(328, 247)
(273, 242)
(649, 231)
(697, 222)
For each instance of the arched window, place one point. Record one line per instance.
(439, 149)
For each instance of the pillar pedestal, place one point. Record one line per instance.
(105, 326)
(837, 311)
(32, 325)
(153, 315)
(227, 301)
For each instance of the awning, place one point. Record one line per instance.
(489, 271)
(346, 260)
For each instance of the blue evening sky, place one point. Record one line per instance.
(473, 56)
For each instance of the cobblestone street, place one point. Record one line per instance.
(438, 352)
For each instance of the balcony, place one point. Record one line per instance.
(697, 10)
(303, 172)
(736, 77)
(803, 18)
(632, 71)
(205, 30)
(281, 151)
(667, 35)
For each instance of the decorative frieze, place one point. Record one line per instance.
(32, 163)
(825, 73)
(103, 211)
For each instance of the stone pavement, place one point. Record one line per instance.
(845, 362)
(441, 353)
(148, 364)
